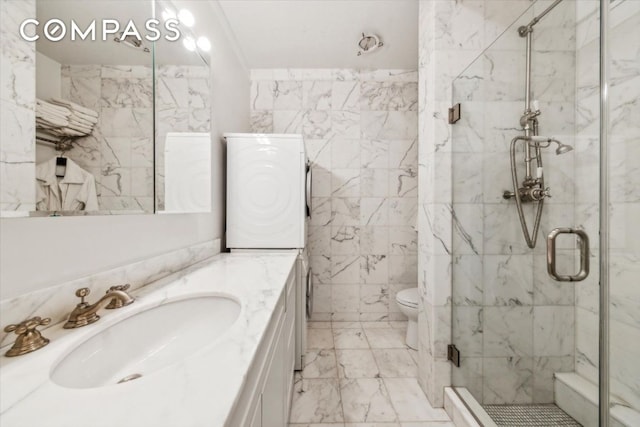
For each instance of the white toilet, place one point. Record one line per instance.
(407, 300)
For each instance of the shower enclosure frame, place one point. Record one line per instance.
(603, 215)
(604, 291)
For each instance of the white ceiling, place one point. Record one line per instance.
(324, 33)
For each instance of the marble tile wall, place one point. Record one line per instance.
(360, 130)
(17, 112)
(120, 151)
(624, 196)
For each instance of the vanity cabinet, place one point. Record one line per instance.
(265, 399)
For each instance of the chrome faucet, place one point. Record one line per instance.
(85, 314)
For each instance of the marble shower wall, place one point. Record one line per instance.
(17, 112)
(624, 180)
(452, 34)
(360, 130)
(120, 151)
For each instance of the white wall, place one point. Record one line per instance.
(48, 77)
(230, 87)
(40, 252)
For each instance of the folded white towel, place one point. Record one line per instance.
(67, 129)
(44, 135)
(80, 122)
(66, 132)
(60, 118)
(82, 129)
(51, 121)
(74, 106)
(54, 108)
(50, 114)
(86, 117)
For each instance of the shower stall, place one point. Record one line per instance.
(546, 247)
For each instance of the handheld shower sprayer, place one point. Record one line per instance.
(562, 148)
(532, 188)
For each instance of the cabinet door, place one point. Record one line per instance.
(256, 418)
(273, 394)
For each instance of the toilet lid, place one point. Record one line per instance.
(408, 297)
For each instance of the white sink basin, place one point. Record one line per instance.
(146, 342)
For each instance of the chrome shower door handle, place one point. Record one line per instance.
(583, 240)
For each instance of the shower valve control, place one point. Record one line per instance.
(539, 194)
(529, 194)
(528, 117)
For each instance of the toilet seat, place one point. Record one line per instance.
(408, 297)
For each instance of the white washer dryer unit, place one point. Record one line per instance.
(268, 189)
(268, 205)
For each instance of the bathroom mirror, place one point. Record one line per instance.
(183, 117)
(112, 79)
(78, 112)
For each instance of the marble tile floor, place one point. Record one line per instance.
(361, 374)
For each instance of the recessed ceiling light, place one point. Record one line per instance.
(204, 44)
(189, 43)
(186, 18)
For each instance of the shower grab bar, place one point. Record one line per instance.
(583, 240)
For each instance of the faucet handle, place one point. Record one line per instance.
(29, 338)
(118, 288)
(81, 293)
(27, 325)
(115, 302)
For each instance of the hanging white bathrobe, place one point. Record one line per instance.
(76, 191)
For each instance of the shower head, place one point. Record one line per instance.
(131, 42)
(562, 148)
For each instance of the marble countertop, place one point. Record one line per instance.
(201, 390)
